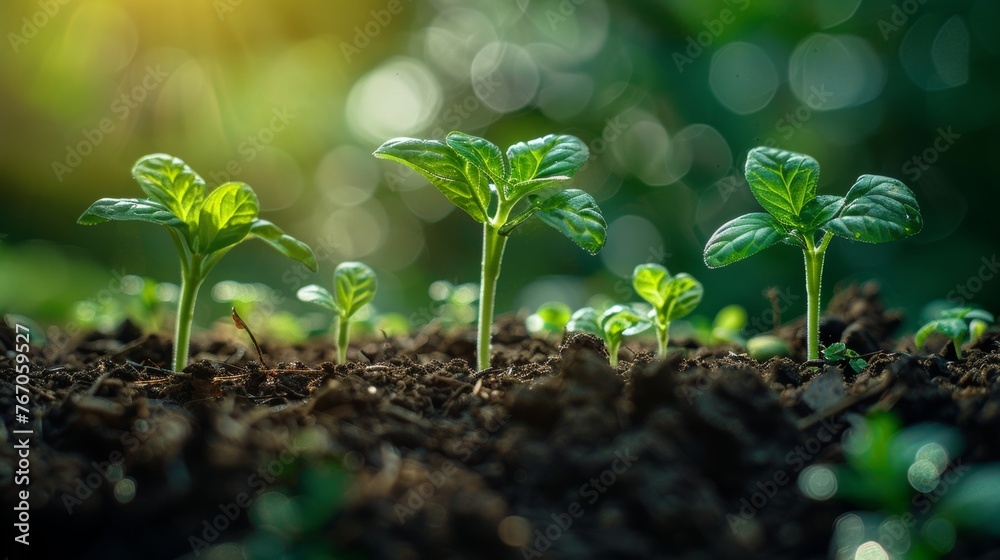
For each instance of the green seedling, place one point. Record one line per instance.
(960, 324)
(455, 304)
(501, 192)
(763, 347)
(839, 352)
(614, 324)
(550, 318)
(917, 492)
(355, 284)
(204, 227)
(725, 327)
(876, 209)
(672, 297)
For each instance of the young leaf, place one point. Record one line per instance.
(480, 152)
(549, 156)
(742, 237)
(576, 215)
(552, 316)
(819, 211)
(226, 217)
(355, 283)
(650, 282)
(877, 209)
(319, 295)
(782, 182)
(517, 191)
(445, 169)
(138, 209)
(284, 243)
(684, 294)
(585, 320)
(621, 320)
(171, 182)
(955, 329)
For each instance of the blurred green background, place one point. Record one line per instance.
(292, 98)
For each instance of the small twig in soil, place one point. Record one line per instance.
(243, 326)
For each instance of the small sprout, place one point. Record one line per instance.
(550, 318)
(960, 324)
(455, 303)
(204, 227)
(355, 284)
(672, 297)
(238, 321)
(617, 322)
(725, 327)
(501, 191)
(766, 346)
(876, 210)
(839, 352)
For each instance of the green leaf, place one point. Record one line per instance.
(552, 316)
(585, 320)
(549, 156)
(519, 190)
(318, 295)
(172, 183)
(576, 215)
(463, 184)
(650, 282)
(955, 329)
(977, 328)
(481, 153)
(730, 319)
(742, 237)
(226, 217)
(284, 243)
(782, 182)
(820, 210)
(131, 209)
(683, 296)
(622, 320)
(980, 314)
(877, 209)
(835, 351)
(355, 283)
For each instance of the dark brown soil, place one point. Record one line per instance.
(407, 452)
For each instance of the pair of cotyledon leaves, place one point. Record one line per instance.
(476, 176)
(355, 284)
(205, 223)
(876, 209)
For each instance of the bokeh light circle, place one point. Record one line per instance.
(743, 78)
(398, 98)
(828, 72)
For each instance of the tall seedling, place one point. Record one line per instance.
(876, 209)
(501, 192)
(204, 227)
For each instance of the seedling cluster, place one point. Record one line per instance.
(503, 189)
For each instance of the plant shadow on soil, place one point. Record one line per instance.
(550, 453)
